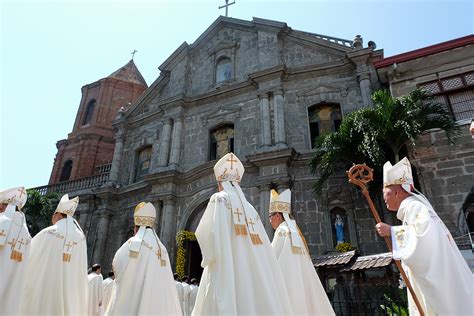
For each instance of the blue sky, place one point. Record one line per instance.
(50, 49)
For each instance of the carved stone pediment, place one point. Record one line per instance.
(324, 88)
(223, 45)
(323, 93)
(222, 112)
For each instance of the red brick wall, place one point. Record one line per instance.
(93, 144)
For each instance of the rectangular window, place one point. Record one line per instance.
(456, 93)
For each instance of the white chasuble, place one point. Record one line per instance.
(307, 295)
(108, 286)
(96, 293)
(239, 277)
(14, 258)
(440, 276)
(54, 286)
(180, 291)
(144, 283)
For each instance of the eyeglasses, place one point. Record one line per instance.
(272, 214)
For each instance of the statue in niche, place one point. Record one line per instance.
(339, 226)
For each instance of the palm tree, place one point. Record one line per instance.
(380, 133)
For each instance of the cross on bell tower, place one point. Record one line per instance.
(226, 6)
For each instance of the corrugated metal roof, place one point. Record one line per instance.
(334, 260)
(367, 262)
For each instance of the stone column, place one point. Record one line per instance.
(265, 120)
(176, 141)
(168, 229)
(365, 87)
(264, 208)
(159, 216)
(117, 158)
(103, 220)
(165, 143)
(279, 119)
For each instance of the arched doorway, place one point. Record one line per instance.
(189, 255)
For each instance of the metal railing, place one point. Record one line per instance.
(368, 300)
(75, 185)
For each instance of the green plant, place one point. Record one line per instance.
(379, 133)
(344, 247)
(393, 308)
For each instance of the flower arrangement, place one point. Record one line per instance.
(181, 237)
(344, 247)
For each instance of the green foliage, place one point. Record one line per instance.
(39, 210)
(377, 134)
(394, 309)
(344, 247)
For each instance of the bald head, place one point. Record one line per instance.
(393, 196)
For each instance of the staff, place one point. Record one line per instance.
(360, 175)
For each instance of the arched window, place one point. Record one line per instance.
(89, 112)
(66, 171)
(323, 118)
(143, 163)
(221, 142)
(223, 70)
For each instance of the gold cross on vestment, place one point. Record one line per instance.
(12, 243)
(238, 214)
(2, 233)
(231, 162)
(158, 253)
(250, 222)
(21, 243)
(22, 191)
(68, 245)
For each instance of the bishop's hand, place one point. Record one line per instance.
(383, 229)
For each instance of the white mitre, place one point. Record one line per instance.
(68, 206)
(144, 215)
(15, 197)
(281, 203)
(229, 168)
(400, 173)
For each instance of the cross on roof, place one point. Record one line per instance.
(133, 53)
(226, 6)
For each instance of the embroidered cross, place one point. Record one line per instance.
(22, 191)
(231, 162)
(68, 245)
(250, 222)
(22, 243)
(12, 243)
(238, 214)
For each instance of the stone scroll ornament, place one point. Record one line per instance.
(360, 175)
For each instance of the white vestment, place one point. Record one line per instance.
(53, 286)
(441, 278)
(108, 286)
(180, 291)
(12, 272)
(186, 290)
(143, 286)
(95, 294)
(191, 299)
(239, 277)
(307, 295)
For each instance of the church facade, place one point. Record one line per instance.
(261, 90)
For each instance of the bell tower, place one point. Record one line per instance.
(89, 148)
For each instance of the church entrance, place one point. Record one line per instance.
(193, 260)
(189, 255)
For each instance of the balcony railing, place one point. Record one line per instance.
(75, 185)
